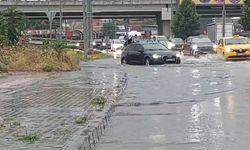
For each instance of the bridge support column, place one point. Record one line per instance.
(164, 27)
(163, 21)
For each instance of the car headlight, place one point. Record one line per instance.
(115, 46)
(214, 46)
(178, 55)
(194, 47)
(171, 45)
(94, 43)
(103, 44)
(228, 49)
(156, 56)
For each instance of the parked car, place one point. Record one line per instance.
(236, 47)
(176, 44)
(149, 53)
(199, 45)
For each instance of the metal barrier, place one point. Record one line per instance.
(78, 2)
(75, 44)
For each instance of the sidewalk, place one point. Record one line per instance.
(47, 105)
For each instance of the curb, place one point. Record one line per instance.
(87, 138)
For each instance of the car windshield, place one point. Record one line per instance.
(235, 41)
(98, 41)
(154, 46)
(201, 40)
(162, 38)
(177, 40)
(118, 42)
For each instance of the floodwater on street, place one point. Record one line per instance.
(201, 104)
(44, 108)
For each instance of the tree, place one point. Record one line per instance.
(12, 23)
(186, 21)
(37, 24)
(245, 20)
(108, 29)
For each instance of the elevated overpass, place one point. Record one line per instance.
(73, 9)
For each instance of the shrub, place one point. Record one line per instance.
(35, 58)
(3, 68)
(49, 67)
(59, 45)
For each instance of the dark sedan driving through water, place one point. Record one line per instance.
(149, 53)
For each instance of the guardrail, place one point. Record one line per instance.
(79, 2)
(78, 44)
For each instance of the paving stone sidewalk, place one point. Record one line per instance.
(47, 105)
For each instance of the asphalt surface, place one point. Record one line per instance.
(201, 104)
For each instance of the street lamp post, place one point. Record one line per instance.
(50, 20)
(171, 21)
(87, 19)
(85, 29)
(61, 29)
(223, 18)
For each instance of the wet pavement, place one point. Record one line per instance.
(201, 104)
(47, 105)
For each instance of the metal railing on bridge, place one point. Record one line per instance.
(79, 2)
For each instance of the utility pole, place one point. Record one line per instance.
(90, 24)
(51, 16)
(170, 30)
(127, 26)
(223, 18)
(61, 29)
(85, 29)
(87, 19)
(50, 21)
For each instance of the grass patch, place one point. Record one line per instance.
(15, 123)
(63, 131)
(99, 101)
(81, 120)
(38, 58)
(27, 138)
(98, 55)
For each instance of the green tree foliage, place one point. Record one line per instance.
(37, 24)
(186, 21)
(12, 23)
(108, 29)
(245, 20)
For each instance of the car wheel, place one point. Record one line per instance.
(178, 61)
(147, 62)
(123, 61)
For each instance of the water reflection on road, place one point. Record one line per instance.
(202, 104)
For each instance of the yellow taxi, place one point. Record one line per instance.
(234, 48)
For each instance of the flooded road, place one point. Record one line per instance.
(201, 104)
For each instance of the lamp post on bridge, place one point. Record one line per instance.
(223, 18)
(51, 16)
